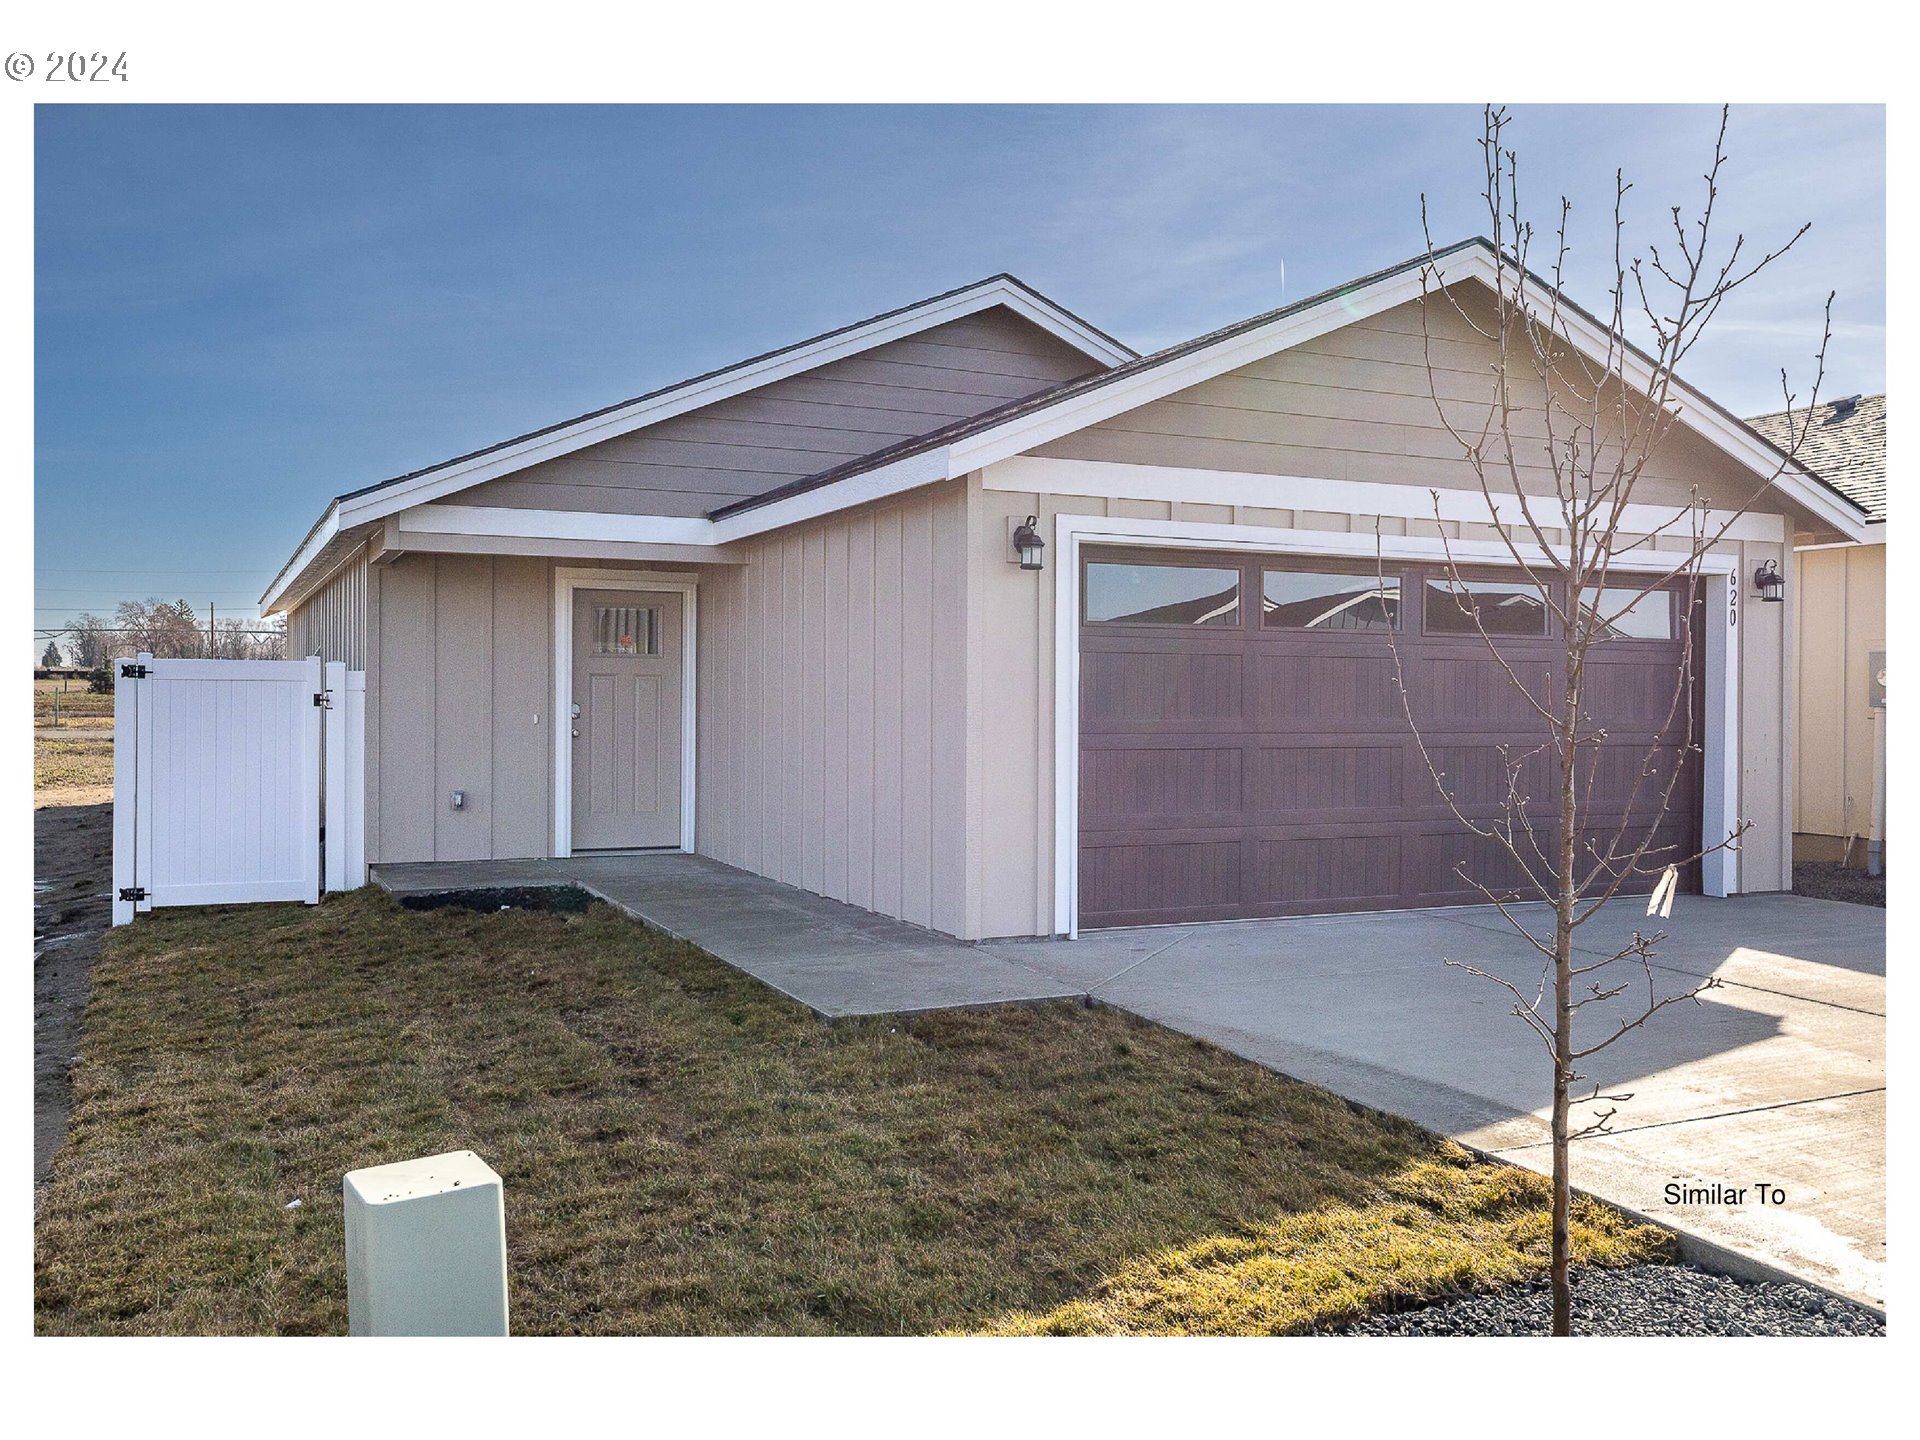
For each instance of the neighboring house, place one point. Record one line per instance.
(1841, 612)
(776, 615)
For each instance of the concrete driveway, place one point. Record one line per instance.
(1777, 1078)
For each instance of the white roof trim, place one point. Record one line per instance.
(910, 472)
(498, 521)
(1033, 474)
(278, 594)
(429, 485)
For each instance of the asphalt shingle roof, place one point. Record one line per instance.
(1846, 445)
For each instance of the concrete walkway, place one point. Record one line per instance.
(1777, 1077)
(835, 959)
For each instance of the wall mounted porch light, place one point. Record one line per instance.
(1771, 583)
(1028, 544)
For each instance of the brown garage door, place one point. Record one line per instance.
(1244, 751)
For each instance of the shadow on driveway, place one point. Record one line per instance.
(1776, 1077)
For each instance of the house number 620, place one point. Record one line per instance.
(1733, 600)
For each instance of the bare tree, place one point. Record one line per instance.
(241, 639)
(1560, 448)
(169, 629)
(89, 641)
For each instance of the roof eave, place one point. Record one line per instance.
(423, 486)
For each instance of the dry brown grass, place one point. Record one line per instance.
(75, 704)
(686, 1152)
(68, 762)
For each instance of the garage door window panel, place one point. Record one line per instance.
(1329, 602)
(1624, 613)
(1125, 593)
(1466, 606)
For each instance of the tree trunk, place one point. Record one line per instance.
(1569, 746)
(1562, 1187)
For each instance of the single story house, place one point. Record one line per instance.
(789, 615)
(1839, 783)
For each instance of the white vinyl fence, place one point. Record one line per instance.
(345, 829)
(217, 781)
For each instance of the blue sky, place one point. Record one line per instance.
(242, 311)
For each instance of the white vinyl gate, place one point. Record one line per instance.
(217, 781)
(346, 767)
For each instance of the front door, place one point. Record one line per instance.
(627, 719)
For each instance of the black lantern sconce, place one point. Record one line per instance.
(1771, 583)
(1027, 542)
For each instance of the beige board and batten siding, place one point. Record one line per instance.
(1841, 604)
(831, 748)
(331, 622)
(459, 697)
(746, 445)
(1358, 403)
(833, 708)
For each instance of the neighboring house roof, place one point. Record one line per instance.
(359, 507)
(1846, 443)
(1126, 381)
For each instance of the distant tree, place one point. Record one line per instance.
(89, 641)
(50, 657)
(242, 639)
(167, 628)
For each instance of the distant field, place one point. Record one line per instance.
(63, 764)
(76, 704)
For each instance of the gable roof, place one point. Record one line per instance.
(1023, 424)
(373, 502)
(1846, 444)
(1010, 429)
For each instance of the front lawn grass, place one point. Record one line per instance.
(686, 1152)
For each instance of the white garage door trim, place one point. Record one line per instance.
(1721, 740)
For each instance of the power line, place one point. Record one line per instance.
(129, 630)
(79, 570)
(215, 595)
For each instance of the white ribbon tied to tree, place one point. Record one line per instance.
(1661, 901)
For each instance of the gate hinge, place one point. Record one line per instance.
(133, 892)
(323, 698)
(131, 671)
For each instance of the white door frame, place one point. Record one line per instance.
(566, 580)
(1720, 740)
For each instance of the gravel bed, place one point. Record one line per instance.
(567, 899)
(1638, 1300)
(1824, 881)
